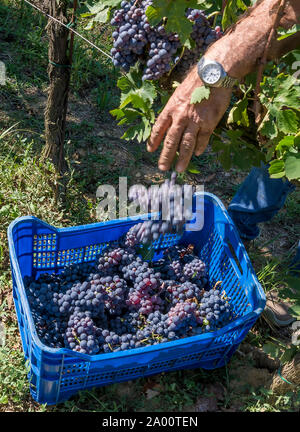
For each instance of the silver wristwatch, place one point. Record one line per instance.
(212, 74)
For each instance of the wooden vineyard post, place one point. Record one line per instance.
(59, 72)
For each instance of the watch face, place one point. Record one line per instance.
(211, 73)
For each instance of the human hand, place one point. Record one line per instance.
(187, 127)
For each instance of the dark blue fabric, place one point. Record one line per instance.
(258, 199)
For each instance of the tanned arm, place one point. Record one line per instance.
(187, 127)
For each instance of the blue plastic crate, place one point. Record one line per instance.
(57, 374)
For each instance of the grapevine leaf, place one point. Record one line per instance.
(174, 11)
(124, 84)
(199, 94)
(292, 166)
(289, 99)
(268, 128)
(183, 28)
(136, 100)
(284, 33)
(272, 350)
(295, 310)
(230, 14)
(147, 129)
(102, 4)
(127, 115)
(289, 353)
(154, 16)
(287, 121)
(100, 12)
(133, 132)
(148, 91)
(139, 97)
(118, 113)
(276, 169)
(217, 145)
(285, 143)
(239, 114)
(102, 16)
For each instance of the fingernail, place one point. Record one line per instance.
(163, 167)
(180, 168)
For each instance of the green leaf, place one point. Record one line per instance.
(289, 98)
(174, 12)
(268, 128)
(133, 132)
(102, 16)
(199, 94)
(287, 121)
(292, 166)
(154, 15)
(276, 167)
(239, 114)
(217, 145)
(284, 144)
(128, 115)
(124, 84)
(231, 10)
(295, 310)
(293, 284)
(284, 33)
(118, 113)
(147, 129)
(288, 354)
(272, 350)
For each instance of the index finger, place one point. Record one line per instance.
(159, 129)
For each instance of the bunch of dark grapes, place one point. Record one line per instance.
(136, 40)
(130, 35)
(194, 269)
(172, 270)
(215, 309)
(179, 293)
(40, 295)
(43, 293)
(143, 296)
(84, 297)
(50, 330)
(115, 342)
(172, 222)
(112, 258)
(116, 291)
(183, 316)
(180, 264)
(81, 334)
(127, 323)
(203, 35)
(133, 35)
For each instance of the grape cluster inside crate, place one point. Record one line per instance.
(57, 374)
